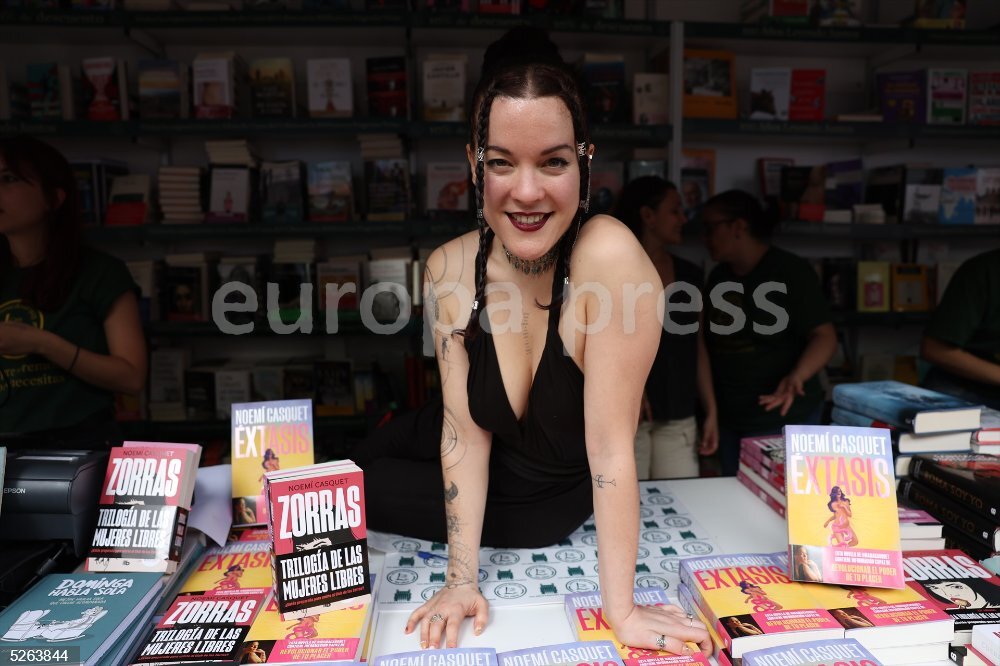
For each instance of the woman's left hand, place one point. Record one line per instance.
(645, 624)
(18, 338)
(709, 436)
(788, 389)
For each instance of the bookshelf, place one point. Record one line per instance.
(358, 34)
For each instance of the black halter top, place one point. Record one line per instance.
(547, 445)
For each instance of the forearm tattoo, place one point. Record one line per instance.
(450, 493)
(462, 568)
(602, 482)
(452, 449)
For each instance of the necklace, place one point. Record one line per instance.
(533, 266)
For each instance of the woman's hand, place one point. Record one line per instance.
(645, 624)
(709, 436)
(444, 613)
(788, 389)
(18, 338)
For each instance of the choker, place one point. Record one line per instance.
(533, 266)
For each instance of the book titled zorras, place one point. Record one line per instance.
(316, 521)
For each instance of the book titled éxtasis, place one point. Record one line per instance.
(316, 521)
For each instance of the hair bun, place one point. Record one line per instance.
(520, 45)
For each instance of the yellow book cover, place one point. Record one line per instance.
(753, 604)
(873, 286)
(239, 565)
(332, 636)
(585, 613)
(266, 436)
(843, 523)
(910, 288)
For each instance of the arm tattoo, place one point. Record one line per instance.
(450, 442)
(601, 481)
(461, 570)
(451, 493)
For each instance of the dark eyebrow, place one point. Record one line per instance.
(553, 149)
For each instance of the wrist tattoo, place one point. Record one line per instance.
(458, 583)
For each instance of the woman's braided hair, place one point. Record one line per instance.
(524, 64)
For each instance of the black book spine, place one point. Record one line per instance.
(968, 492)
(949, 512)
(953, 538)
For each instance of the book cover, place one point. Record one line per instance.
(184, 289)
(986, 643)
(163, 89)
(444, 83)
(770, 92)
(266, 436)
(987, 196)
(910, 288)
(294, 303)
(388, 189)
(968, 478)
(946, 96)
(750, 601)
(143, 507)
(242, 566)
(605, 93)
(903, 96)
(984, 98)
(839, 283)
(212, 84)
(886, 187)
(198, 628)
(331, 94)
(331, 196)
(940, 14)
(585, 613)
(907, 407)
(845, 183)
(128, 201)
(46, 88)
(102, 97)
(448, 186)
(814, 653)
(595, 652)
(709, 84)
(499, 6)
(386, 84)
(229, 198)
(319, 555)
(769, 175)
(957, 515)
(272, 88)
(842, 518)
(88, 611)
(837, 13)
(695, 185)
(474, 656)
(281, 192)
(922, 195)
(343, 276)
(873, 286)
(606, 182)
(332, 636)
(808, 95)
(803, 193)
(240, 272)
(650, 98)
(958, 196)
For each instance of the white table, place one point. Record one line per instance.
(739, 522)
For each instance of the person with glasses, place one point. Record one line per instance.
(769, 329)
(70, 332)
(667, 442)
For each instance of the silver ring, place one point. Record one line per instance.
(437, 617)
(690, 617)
(661, 642)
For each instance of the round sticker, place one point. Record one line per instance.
(645, 512)
(590, 539)
(698, 548)
(570, 555)
(655, 536)
(510, 590)
(677, 521)
(505, 558)
(662, 500)
(581, 585)
(652, 581)
(406, 546)
(402, 577)
(540, 571)
(642, 553)
(672, 565)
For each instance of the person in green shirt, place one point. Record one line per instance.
(962, 338)
(70, 332)
(769, 326)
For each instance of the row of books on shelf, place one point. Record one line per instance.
(224, 85)
(881, 286)
(938, 14)
(843, 192)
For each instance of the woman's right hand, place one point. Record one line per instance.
(444, 613)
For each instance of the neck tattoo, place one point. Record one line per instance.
(533, 266)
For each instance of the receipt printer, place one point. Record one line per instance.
(52, 495)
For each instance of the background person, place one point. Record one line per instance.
(70, 333)
(769, 330)
(667, 442)
(962, 338)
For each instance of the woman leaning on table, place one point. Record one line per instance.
(544, 329)
(70, 333)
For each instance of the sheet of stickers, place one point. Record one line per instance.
(414, 569)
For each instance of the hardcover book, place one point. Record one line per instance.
(946, 96)
(444, 87)
(903, 96)
(85, 610)
(910, 288)
(808, 95)
(105, 89)
(958, 196)
(242, 566)
(143, 509)
(770, 90)
(50, 91)
(709, 84)
(908, 407)
(333, 636)
(604, 87)
(266, 436)
(968, 478)
(331, 93)
(984, 98)
(163, 89)
(331, 197)
(386, 81)
(814, 653)
(474, 656)
(199, 628)
(841, 492)
(281, 192)
(319, 555)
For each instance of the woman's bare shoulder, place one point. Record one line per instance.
(449, 276)
(607, 248)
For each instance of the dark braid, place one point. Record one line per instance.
(485, 232)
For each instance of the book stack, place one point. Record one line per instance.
(129, 201)
(923, 421)
(319, 554)
(475, 656)
(752, 604)
(838, 651)
(144, 505)
(180, 195)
